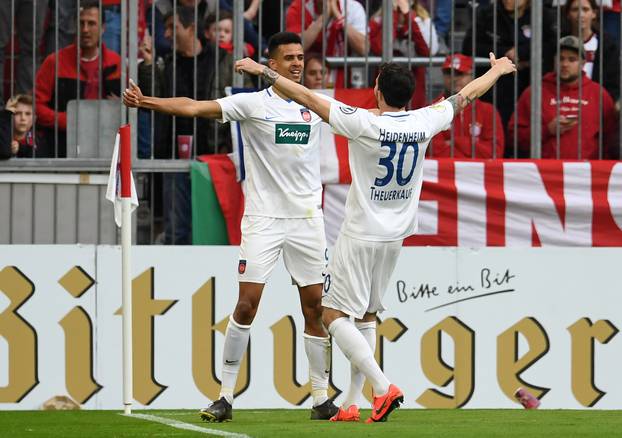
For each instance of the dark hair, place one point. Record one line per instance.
(396, 83)
(310, 56)
(567, 26)
(89, 4)
(186, 16)
(211, 19)
(281, 39)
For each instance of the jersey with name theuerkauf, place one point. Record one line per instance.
(281, 154)
(386, 155)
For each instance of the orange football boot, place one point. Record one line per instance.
(351, 414)
(385, 404)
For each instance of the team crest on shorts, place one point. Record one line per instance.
(242, 267)
(306, 114)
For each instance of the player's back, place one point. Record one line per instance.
(386, 163)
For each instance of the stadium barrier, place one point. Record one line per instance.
(28, 41)
(464, 328)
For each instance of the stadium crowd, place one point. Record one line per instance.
(62, 50)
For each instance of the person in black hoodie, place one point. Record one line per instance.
(7, 146)
(518, 51)
(175, 76)
(594, 44)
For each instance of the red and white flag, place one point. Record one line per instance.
(113, 191)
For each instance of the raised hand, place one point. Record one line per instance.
(503, 65)
(11, 105)
(132, 96)
(247, 65)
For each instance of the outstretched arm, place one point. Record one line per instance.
(291, 89)
(479, 86)
(176, 106)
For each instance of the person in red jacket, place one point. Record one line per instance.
(48, 97)
(339, 28)
(470, 139)
(423, 40)
(570, 66)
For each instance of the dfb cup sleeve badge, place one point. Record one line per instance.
(242, 267)
(306, 114)
(347, 110)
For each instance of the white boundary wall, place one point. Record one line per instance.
(557, 288)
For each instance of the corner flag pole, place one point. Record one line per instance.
(126, 275)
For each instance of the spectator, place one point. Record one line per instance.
(27, 34)
(164, 8)
(424, 41)
(354, 24)
(69, 74)
(219, 134)
(570, 62)
(314, 72)
(204, 10)
(23, 139)
(518, 51)
(250, 13)
(594, 44)
(176, 77)
(223, 31)
(471, 139)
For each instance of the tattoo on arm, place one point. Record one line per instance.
(459, 102)
(269, 75)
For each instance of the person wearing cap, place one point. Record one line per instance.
(513, 19)
(473, 133)
(570, 62)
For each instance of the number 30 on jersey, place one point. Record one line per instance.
(401, 178)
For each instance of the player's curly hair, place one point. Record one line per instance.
(396, 83)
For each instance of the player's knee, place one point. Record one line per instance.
(244, 312)
(313, 312)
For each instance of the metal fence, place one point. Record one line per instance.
(59, 52)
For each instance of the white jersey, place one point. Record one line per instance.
(386, 163)
(281, 154)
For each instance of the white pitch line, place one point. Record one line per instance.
(186, 426)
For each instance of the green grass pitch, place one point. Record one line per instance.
(296, 423)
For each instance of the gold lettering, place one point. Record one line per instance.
(144, 310)
(582, 335)
(20, 336)
(76, 281)
(204, 341)
(285, 381)
(440, 373)
(510, 366)
(391, 329)
(78, 329)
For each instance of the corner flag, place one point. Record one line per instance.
(113, 191)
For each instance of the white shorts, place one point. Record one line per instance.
(357, 275)
(302, 241)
